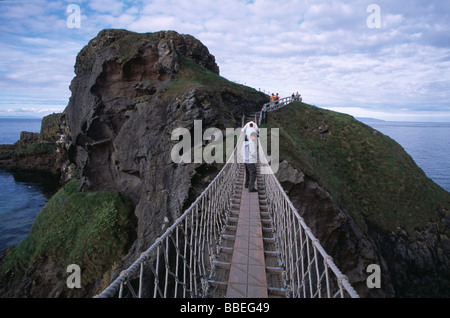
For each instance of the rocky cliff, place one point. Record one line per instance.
(38, 152)
(130, 92)
(366, 201)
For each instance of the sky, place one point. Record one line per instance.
(385, 59)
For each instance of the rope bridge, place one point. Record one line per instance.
(181, 263)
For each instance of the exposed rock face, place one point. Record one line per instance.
(418, 268)
(121, 119)
(37, 152)
(6, 152)
(351, 250)
(129, 94)
(27, 139)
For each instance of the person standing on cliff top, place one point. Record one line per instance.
(250, 153)
(272, 98)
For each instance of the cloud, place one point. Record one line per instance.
(324, 49)
(107, 6)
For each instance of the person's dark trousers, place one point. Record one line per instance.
(250, 176)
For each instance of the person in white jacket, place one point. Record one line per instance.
(250, 158)
(250, 127)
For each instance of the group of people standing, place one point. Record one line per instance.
(295, 96)
(274, 98)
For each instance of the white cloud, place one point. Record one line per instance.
(322, 48)
(106, 6)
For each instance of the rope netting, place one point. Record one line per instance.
(179, 263)
(309, 271)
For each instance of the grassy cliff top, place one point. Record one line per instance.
(193, 76)
(367, 173)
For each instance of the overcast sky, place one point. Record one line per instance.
(332, 52)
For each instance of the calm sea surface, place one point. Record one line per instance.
(22, 196)
(10, 128)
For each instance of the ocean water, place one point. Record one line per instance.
(22, 196)
(10, 128)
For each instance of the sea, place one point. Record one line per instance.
(22, 196)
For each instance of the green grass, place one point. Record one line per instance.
(366, 172)
(37, 149)
(50, 125)
(125, 42)
(128, 45)
(194, 76)
(84, 228)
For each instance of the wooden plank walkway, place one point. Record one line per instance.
(247, 277)
(248, 263)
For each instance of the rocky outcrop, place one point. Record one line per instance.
(126, 101)
(27, 139)
(6, 153)
(410, 267)
(37, 152)
(130, 92)
(420, 266)
(339, 235)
